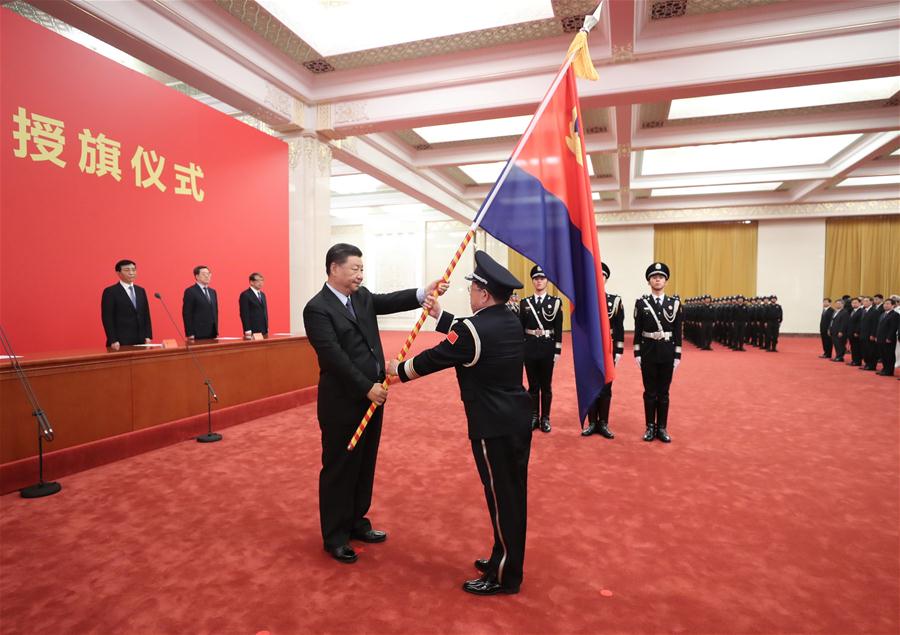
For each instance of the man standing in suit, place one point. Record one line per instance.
(855, 330)
(824, 326)
(486, 350)
(868, 326)
(342, 326)
(254, 310)
(840, 322)
(886, 336)
(124, 310)
(200, 307)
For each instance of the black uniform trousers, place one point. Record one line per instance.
(503, 467)
(707, 335)
(346, 478)
(657, 379)
(540, 380)
(771, 342)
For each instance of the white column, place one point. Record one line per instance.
(790, 263)
(310, 221)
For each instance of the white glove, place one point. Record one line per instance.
(617, 358)
(675, 366)
(637, 360)
(556, 358)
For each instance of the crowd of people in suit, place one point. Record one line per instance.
(125, 311)
(733, 321)
(867, 325)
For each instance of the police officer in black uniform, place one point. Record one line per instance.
(598, 415)
(486, 350)
(657, 348)
(541, 316)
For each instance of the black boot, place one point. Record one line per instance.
(535, 421)
(662, 418)
(591, 421)
(603, 417)
(545, 424)
(650, 418)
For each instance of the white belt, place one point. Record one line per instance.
(657, 335)
(539, 333)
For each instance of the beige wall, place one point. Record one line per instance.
(791, 264)
(627, 251)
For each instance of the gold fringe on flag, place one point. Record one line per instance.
(582, 63)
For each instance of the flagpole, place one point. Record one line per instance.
(590, 22)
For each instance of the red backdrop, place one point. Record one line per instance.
(63, 227)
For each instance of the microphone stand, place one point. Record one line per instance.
(210, 436)
(45, 431)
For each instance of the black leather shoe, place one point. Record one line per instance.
(344, 554)
(486, 587)
(482, 565)
(589, 430)
(824, 356)
(545, 424)
(535, 422)
(373, 535)
(838, 359)
(663, 436)
(605, 432)
(649, 435)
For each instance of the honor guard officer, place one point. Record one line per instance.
(598, 415)
(541, 317)
(486, 350)
(657, 348)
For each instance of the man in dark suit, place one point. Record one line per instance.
(868, 327)
(342, 326)
(840, 322)
(886, 336)
(254, 310)
(824, 326)
(855, 330)
(200, 307)
(124, 310)
(487, 352)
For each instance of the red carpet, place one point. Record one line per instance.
(774, 510)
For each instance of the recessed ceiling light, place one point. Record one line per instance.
(745, 155)
(890, 179)
(333, 28)
(716, 189)
(785, 98)
(486, 129)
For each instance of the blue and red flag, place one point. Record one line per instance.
(543, 209)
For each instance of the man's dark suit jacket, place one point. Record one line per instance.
(869, 323)
(123, 322)
(825, 321)
(201, 317)
(254, 313)
(350, 355)
(839, 324)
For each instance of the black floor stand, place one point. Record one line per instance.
(210, 436)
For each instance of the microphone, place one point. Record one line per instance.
(206, 380)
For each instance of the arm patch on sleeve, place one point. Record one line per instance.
(452, 336)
